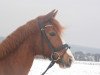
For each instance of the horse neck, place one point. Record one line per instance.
(14, 41)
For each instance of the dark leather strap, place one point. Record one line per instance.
(51, 64)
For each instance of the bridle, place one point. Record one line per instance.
(54, 50)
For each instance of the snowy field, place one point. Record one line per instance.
(77, 68)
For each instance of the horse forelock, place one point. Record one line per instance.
(57, 26)
(54, 22)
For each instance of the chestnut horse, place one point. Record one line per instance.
(40, 36)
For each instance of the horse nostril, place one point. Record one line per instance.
(70, 60)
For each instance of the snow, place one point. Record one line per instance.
(77, 68)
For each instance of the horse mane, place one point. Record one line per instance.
(13, 41)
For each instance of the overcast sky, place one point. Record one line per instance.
(80, 17)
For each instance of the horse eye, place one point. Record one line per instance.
(52, 33)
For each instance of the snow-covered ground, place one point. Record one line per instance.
(77, 68)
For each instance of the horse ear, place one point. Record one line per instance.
(51, 14)
(55, 13)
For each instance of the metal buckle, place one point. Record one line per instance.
(42, 29)
(53, 56)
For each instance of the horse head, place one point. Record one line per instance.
(51, 44)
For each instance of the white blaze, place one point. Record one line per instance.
(68, 51)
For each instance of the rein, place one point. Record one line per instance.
(54, 50)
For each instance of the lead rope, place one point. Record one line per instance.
(51, 64)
